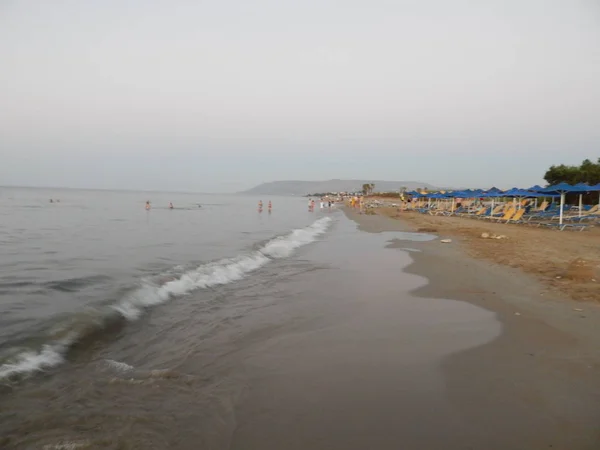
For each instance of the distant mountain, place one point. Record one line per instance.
(311, 187)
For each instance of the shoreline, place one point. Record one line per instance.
(536, 385)
(561, 261)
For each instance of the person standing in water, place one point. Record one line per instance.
(260, 206)
(270, 206)
(148, 205)
(171, 205)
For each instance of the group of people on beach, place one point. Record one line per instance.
(260, 206)
(311, 204)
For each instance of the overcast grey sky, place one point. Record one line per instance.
(222, 95)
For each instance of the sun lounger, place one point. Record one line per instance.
(495, 213)
(506, 216)
(517, 217)
(475, 213)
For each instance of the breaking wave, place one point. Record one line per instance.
(64, 336)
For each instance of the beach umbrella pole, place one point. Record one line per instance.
(580, 204)
(562, 206)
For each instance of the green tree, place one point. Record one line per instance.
(367, 188)
(586, 172)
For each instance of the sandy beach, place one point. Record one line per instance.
(568, 262)
(535, 386)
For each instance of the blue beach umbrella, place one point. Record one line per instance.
(587, 188)
(596, 188)
(535, 188)
(434, 196)
(493, 190)
(563, 189)
(492, 193)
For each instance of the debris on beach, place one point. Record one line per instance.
(493, 236)
(577, 309)
(517, 314)
(446, 241)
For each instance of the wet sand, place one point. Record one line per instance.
(567, 261)
(538, 384)
(362, 365)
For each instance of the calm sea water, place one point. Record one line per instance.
(213, 326)
(68, 266)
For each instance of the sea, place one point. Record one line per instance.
(210, 325)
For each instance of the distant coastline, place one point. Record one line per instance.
(304, 188)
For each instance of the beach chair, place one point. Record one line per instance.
(507, 216)
(575, 215)
(440, 210)
(498, 211)
(591, 214)
(517, 217)
(548, 213)
(474, 213)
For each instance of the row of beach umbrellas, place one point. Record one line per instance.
(557, 190)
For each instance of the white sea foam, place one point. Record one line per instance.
(119, 366)
(31, 361)
(150, 293)
(218, 273)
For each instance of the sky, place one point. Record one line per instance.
(211, 96)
